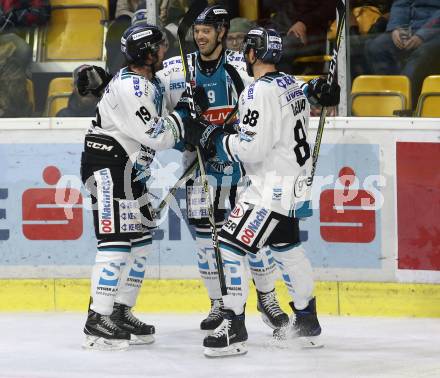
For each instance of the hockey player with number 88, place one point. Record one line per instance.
(207, 70)
(273, 147)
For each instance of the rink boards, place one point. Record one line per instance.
(376, 212)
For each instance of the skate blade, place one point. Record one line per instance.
(229, 351)
(267, 321)
(99, 343)
(141, 339)
(310, 342)
(286, 337)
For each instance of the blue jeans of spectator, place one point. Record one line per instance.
(385, 58)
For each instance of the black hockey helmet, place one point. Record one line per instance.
(267, 44)
(215, 15)
(140, 40)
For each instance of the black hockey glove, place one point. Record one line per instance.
(199, 132)
(201, 101)
(321, 93)
(92, 79)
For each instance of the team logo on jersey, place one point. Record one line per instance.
(301, 184)
(136, 87)
(250, 95)
(276, 194)
(284, 81)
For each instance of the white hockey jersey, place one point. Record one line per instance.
(272, 144)
(130, 109)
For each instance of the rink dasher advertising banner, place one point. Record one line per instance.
(357, 230)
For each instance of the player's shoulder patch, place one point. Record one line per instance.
(132, 83)
(175, 61)
(234, 56)
(126, 73)
(250, 91)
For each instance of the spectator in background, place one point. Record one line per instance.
(171, 11)
(79, 106)
(126, 17)
(411, 44)
(304, 24)
(124, 12)
(238, 30)
(362, 13)
(17, 17)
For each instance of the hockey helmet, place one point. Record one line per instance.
(267, 44)
(140, 40)
(215, 15)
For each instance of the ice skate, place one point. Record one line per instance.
(141, 333)
(103, 334)
(303, 324)
(271, 312)
(228, 338)
(215, 316)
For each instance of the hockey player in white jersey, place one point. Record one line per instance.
(273, 146)
(118, 150)
(208, 71)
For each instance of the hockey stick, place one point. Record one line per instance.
(182, 180)
(239, 87)
(196, 8)
(340, 8)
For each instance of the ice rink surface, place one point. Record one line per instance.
(47, 345)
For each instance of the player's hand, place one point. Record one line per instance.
(322, 93)
(92, 79)
(414, 42)
(395, 36)
(299, 30)
(199, 132)
(201, 101)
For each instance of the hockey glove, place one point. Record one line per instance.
(319, 92)
(201, 101)
(199, 132)
(92, 79)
